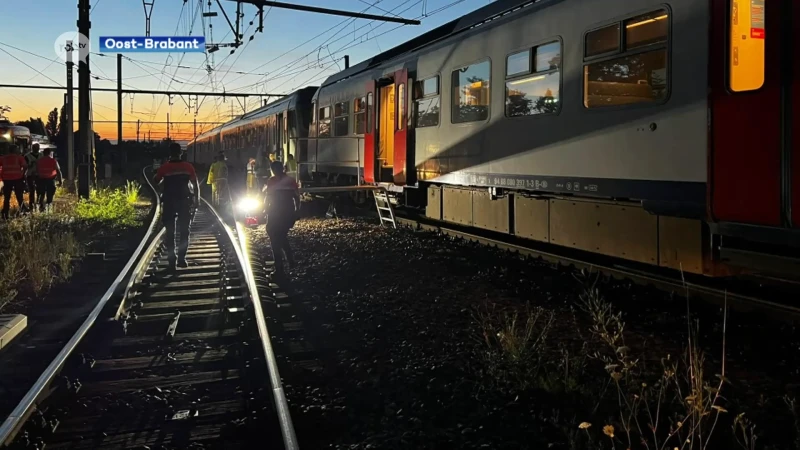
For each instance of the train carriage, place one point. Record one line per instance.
(660, 132)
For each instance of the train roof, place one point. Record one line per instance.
(477, 17)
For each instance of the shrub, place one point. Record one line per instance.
(107, 205)
(35, 254)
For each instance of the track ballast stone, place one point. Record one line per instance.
(393, 314)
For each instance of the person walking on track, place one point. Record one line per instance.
(178, 202)
(12, 172)
(47, 170)
(283, 204)
(30, 176)
(218, 179)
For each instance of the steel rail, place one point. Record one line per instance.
(282, 406)
(26, 406)
(783, 311)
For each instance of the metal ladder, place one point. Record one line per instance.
(383, 206)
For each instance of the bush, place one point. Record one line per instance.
(108, 205)
(35, 254)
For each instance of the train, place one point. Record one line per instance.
(11, 134)
(662, 133)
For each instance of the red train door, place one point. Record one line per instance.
(369, 135)
(745, 158)
(399, 172)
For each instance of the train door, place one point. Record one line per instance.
(401, 128)
(279, 137)
(386, 129)
(369, 134)
(750, 178)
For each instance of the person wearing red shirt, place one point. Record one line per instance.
(47, 170)
(177, 200)
(12, 172)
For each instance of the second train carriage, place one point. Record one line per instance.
(658, 132)
(279, 128)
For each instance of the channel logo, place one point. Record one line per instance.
(152, 44)
(74, 44)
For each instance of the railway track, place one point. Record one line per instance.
(171, 359)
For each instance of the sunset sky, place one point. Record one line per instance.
(29, 33)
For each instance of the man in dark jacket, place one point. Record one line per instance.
(178, 201)
(283, 203)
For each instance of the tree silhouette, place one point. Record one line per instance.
(52, 124)
(36, 126)
(3, 111)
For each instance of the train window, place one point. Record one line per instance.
(538, 92)
(746, 46)
(471, 89)
(324, 122)
(518, 63)
(341, 125)
(631, 75)
(401, 106)
(360, 115)
(647, 29)
(426, 103)
(602, 41)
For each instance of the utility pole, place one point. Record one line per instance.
(167, 126)
(346, 62)
(119, 100)
(70, 120)
(195, 137)
(138, 125)
(85, 135)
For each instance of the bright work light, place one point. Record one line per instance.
(249, 205)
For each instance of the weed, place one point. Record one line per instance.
(108, 206)
(36, 254)
(516, 342)
(132, 191)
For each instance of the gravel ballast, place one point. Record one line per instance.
(407, 362)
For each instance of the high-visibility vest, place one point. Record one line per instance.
(47, 168)
(218, 171)
(291, 165)
(12, 167)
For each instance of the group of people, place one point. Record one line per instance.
(39, 172)
(181, 194)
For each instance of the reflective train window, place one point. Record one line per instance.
(426, 102)
(341, 117)
(471, 88)
(602, 41)
(324, 122)
(637, 73)
(360, 115)
(537, 91)
(518, 63)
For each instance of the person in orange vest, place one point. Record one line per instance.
(12, 172)
(178, 201)
(47, 170)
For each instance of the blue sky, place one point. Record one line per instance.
(36, 24)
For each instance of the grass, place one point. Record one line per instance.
(678, 404)
(42, 249)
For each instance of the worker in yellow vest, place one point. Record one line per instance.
(218, 179)
(251, 176)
